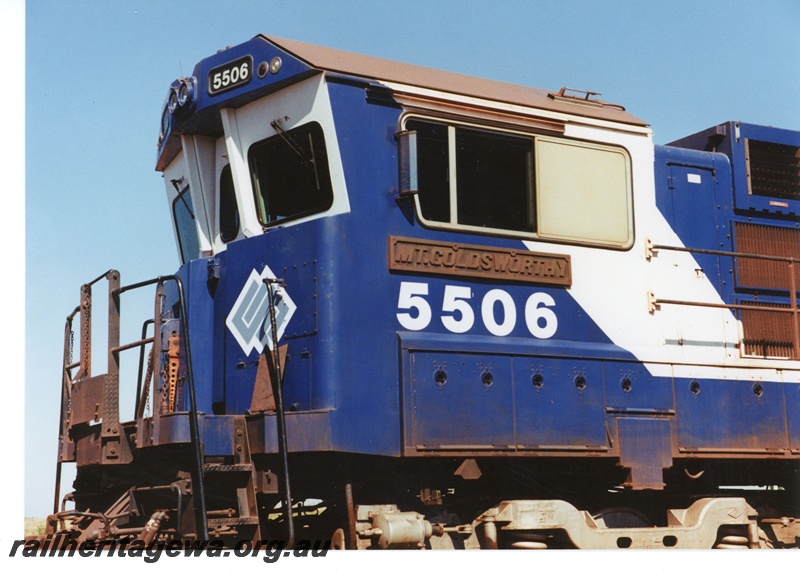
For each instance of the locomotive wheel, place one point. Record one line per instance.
(615, 517)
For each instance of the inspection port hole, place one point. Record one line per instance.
(624, 542)
(487, 379)
(694, 387)
(626, 384)
(758, 390)
(440, 376)
(580, 382)
(670, 541)
(538, 380)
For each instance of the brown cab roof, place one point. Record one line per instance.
(388, 70)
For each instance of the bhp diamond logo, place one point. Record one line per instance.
(249, 320)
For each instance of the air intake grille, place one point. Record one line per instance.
(771, 241)
(766, 333)
(774, 169)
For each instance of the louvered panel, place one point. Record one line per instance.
(767, 334)
(774, 169)
(764, 240)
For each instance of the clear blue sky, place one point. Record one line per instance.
(97, 73)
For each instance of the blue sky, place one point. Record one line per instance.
(97, 73)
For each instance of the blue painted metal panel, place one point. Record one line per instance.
(281, 249)
(216, 432)
(645, 446)
(554, 409)
(743, 198)
(173, 429)
(200, 309)
(555, 414)
(517, 346)
(305, 432)
(630, 387)
(728, 415)
(695, 207)
(301, 278)
(693, 194)
(217, 435)
(472, 409)
(730, 138)
(792, 393)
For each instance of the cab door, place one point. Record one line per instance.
(695, 221)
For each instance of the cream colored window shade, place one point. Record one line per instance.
(584, 192)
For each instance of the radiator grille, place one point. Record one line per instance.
(774, 169)
(767, 334)
(772, 241)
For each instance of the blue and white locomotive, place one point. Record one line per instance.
(421, 309)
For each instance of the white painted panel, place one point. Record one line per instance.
(198, 153)
(305, 102)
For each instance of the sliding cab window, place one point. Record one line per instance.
(228, 209)
(290, 174)
(531, 186)
(183, 215)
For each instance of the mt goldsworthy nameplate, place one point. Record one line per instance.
(456, 259)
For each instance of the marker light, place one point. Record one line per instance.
(263, 68)
(275, 65)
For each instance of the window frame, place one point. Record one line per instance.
(181, 198)
(451, 123)
(322, 169)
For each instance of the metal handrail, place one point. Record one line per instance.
(110, 400)
(66, 395)
(651, 248)
(145, 324)
(194, 430)
(277, 383)
(793, 286)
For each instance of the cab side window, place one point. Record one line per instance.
(228, 210)
(524, 185)
(183, 213)
(290, 174)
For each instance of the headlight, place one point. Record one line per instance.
(173, 101)
(186, 91)
(165, 122)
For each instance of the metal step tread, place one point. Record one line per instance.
(232, 521)
(230, 468)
